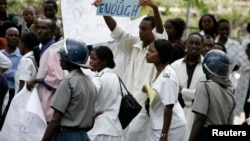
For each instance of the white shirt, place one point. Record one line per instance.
(188, 94)
(166, 93)
(181, 71)
(232, 48)
(243, 82)
(138, 71)
(108, 101)
(4, 61)
(26, 70)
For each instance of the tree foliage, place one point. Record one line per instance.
(17, 6)
(236, 11)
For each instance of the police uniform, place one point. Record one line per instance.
(75, 98)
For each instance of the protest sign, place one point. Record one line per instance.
(81, 22)
(23, 125)
(123, 8)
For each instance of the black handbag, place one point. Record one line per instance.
(129, 106)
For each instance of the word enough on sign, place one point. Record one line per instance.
(119, 8)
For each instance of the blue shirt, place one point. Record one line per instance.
(15, 59)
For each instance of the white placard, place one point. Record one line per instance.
(81, 22)
(23, 125)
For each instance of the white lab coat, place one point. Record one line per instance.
(137, 72)
(188, 93)
(26, 70)
(166, 87)
(107, 126)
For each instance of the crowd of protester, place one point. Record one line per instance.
(198, 81)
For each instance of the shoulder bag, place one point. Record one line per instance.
(129, 106)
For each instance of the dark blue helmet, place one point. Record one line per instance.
(74, 51)
(216, 63)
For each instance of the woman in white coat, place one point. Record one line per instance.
(166, 115)
(28, 66)
(107, 126)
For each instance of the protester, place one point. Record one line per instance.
(208, 44)
(242, 89)
(5, 63)
(107, 126)
(232, 46)
(27, 68)
(135, 47)
(166, 114)
(13, 53)
(214, 100)
(189, 72)
(7, 19)
(50, 9)
(74, 99)
(49, 73)
(175, 28)
(208, 25)
(29, 17)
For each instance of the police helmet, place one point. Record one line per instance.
(217, 63)
(75, 51)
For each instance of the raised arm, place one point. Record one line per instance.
(110, 22)
(158, 22)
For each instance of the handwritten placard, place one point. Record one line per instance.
(23, 123)
(122, 8)
(81, 22)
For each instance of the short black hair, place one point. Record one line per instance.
(209, 15)
(223, 21)
(208, 37)
(222, 46)
(195, 33)
(31, 41)
(178, 52)
(164, 49)
(151, 19)
(51, 2)
(179, 25)
(105, 53)
(52, 25)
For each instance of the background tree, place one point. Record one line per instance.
(236, 11)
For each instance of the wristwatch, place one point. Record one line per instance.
(164, 135)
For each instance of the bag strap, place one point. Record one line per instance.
(122, 85)
(208, 93)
